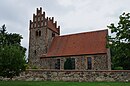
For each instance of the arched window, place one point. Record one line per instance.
(39, 33)
(57, 64)
(36, 33)
(53, 34)
(89, 63)
(69, 64)
(35, 52)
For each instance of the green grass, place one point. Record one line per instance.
(31, 83)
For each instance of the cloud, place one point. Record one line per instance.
(72, 15)
(90, 14)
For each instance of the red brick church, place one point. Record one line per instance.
(50, 50)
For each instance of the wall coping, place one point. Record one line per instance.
(53, 70)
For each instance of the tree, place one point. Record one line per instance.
(12, 54)
(12, 61)
(120, 42)
(9, 38)
(2, 35)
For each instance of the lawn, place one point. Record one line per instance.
(25, 83)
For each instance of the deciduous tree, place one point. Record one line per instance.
(12, 54)
(119, 42)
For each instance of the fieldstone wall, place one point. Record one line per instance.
(80, 76)
(99, 62)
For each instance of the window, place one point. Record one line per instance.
(53, 34)
(73, 63)
(89, 63)
(36, 33)
(39, 33)
(57, 64)
(35, 52)
(69, 64)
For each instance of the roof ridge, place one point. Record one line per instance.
(83, 33)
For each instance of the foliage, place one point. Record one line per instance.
(9, 38)
(12, 54)
(41, 83)
(118, 68)
(12, 61)
(120, 43)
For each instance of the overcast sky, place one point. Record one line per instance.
(73, 16)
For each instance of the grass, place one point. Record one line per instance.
(33, 83)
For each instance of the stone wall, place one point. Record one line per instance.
(99, 62)
(80, 76)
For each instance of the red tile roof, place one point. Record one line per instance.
(52, 26)
(79, 44)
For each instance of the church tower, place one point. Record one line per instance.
(42, 30)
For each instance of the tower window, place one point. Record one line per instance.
(35, 52)
(53, 34)
(39, 33)
(36, 33)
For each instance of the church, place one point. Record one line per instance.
(52, 51)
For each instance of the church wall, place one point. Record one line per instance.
(99, 62)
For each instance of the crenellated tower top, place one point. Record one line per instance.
(40, 20)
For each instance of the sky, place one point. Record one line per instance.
(74, 16)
